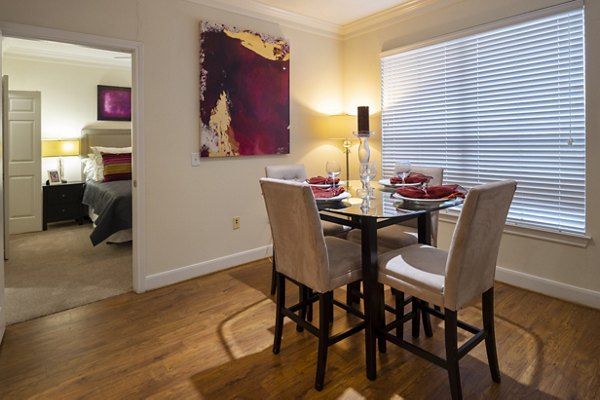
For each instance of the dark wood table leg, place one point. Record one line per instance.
(424, 228)
(372, 293)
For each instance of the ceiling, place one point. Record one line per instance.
(338, 12)
(327, 13)
(62, 52)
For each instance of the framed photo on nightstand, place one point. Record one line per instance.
(53, 177)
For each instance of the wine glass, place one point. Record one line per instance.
(402, 169)
(367, 172)
(333, 170)
(372, 175)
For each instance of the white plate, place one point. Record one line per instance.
(341, 196)
(441, 200)
(387, 183)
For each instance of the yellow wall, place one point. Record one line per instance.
(553, 268)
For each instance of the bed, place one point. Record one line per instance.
(108, 192)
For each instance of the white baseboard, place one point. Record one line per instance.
(549, 287)
(193, 271)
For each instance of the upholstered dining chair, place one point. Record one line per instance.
(306, 257)
(405, 233)
(297, 173)
(455, 278)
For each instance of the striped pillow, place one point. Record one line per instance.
(117, 167)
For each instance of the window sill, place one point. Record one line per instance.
(540, 234)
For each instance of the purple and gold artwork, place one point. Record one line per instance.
(114, 103)
(244, 92)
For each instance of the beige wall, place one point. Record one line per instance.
(68, 91)
(188, 210)
(554, 268)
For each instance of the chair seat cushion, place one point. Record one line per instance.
(417, 270)
(344, 263)
(389, 238)
(333, 229)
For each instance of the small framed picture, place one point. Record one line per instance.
(53, 177)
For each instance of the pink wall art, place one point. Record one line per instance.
(244, 92)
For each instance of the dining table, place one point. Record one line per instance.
(370, 213)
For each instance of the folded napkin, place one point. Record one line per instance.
(321, 180)
(327, 193)
(413, 177)
(432, 192)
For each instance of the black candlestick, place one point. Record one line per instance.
(363, 119)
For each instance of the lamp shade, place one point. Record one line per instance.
(341, 126)
(60, 148)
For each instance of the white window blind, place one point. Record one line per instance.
(503, 104)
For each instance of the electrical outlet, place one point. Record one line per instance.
(195, 159)
(236, 222)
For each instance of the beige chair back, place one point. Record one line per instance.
(289, 172)
(297, 234)
(473, 252)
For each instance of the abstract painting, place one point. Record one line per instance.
(244, 92)
(114, 103)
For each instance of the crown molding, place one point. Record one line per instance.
(391, 16)
(254, 9)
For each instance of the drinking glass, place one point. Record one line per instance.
(372, 175)
(402, 169)
(367, 172)
(333, 170)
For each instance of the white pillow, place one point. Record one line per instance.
(93, 168)
(114, 150)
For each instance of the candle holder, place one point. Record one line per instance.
(364, 153)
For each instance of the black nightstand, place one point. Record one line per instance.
(63, 202)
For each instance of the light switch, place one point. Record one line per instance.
(195, 159)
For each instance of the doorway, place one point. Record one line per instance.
(97, 45)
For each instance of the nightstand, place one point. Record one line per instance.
(62, 202)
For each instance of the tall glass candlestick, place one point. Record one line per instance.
(364, 153)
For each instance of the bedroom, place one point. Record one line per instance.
(58, 268)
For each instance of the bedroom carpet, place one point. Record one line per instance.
(59, 269)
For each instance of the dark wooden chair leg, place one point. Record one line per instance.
(309, 313)
(416, 317)
(330, 311)
(302, 296)
(399, 296)
(273, 276)
(325, 301)
(426, 319)
(353, 294)
(451, 334)
(280, 302)
(490, 341)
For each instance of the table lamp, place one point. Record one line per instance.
(341, 127)
(60, 148)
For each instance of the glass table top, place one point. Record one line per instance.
(383, 204)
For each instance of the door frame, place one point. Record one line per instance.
(135, 48)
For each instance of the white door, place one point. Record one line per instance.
(24, 162)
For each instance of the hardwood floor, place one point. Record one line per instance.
(210, 338)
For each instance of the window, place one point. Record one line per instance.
(503, 103)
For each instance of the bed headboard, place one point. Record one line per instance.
(105, 133)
